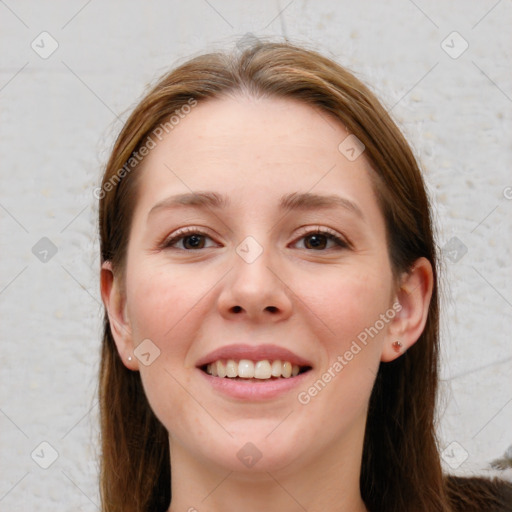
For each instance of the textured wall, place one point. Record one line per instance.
(64, 95)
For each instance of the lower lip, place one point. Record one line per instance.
(253, 389)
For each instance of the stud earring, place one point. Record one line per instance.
(396, 346)
(129, 358)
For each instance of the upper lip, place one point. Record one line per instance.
(253, 353)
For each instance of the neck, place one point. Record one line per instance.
(329, 483)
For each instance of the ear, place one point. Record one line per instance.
(115, 303)
(413, 297)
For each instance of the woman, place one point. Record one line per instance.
(270, 285)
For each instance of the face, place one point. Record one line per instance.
(273, 272)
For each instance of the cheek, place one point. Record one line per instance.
(162, 308)
(348, 314)
(347, 304)
(160, 305)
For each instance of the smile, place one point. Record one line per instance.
(253, 372)
(247, 369)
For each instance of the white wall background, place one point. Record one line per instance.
(59, 117)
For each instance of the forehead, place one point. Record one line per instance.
(242, 127)
(254, 150)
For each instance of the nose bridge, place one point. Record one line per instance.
(252, 264)
(254, 286)
(250, 250)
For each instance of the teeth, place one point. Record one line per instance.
(262, 370)
(231, 369)
(221, 369)
(277, 369)
(247, 369)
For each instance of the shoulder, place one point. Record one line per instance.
(479, 494)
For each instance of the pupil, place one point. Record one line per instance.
(196, 240)
(317, 243)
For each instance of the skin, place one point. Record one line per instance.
(313, 300)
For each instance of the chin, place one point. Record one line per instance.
(250, 458)
(256, 448)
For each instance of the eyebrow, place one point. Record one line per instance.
(304, 201)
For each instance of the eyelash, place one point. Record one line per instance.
(185, 232)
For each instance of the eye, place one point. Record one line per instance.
(319, 238)
(192, 239)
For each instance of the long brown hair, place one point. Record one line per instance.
(401, 468)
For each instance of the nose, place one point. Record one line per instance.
(255, 289)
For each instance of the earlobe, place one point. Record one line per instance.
(414, 298)
(115, 304)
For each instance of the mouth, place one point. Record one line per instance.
(254, 371)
